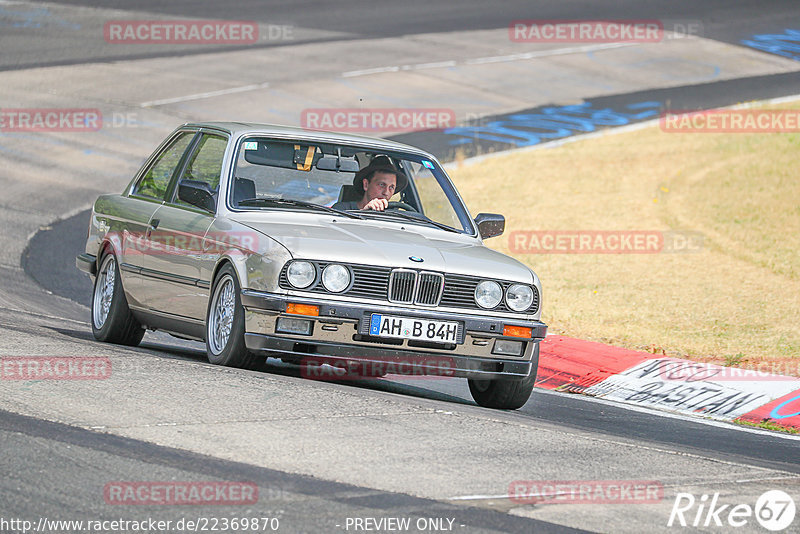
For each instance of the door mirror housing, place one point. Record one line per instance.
(198, 194)
(490, 224)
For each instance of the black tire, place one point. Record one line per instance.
(505, 394)
(116, 324)
(230, 351)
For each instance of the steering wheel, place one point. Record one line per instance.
(400, 205)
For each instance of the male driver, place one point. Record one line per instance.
(379, 181)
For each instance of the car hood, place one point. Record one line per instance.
(372, 242)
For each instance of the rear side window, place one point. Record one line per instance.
(156, 180)
(206, 163)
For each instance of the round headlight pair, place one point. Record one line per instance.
(519, 297)
(488, 294)
(301, 274)
(335, 277)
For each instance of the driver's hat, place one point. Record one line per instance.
(380, 164)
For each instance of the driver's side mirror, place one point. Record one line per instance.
(197, 194)
(490, 224)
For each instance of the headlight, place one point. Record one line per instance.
(519, 297)
(301, 274)
(488, 294)
(335, 278)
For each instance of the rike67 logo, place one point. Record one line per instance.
(774, 510)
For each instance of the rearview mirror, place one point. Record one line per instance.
(490, 224)
(197, 194)
(338, 164)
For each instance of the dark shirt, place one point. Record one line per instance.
(344, 206)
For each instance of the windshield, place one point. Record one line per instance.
(279, 174)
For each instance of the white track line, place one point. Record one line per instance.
(488, 59)
(44, 315)
(200, 96)
(546, 53)
(565, 493)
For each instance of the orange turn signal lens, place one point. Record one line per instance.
(302, 309)
(517, 331)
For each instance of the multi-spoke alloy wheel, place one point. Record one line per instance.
(104, 291)
(112, 320)
(225, 323)
(221, 318)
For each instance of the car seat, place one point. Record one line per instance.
(243, 188)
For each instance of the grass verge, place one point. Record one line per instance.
(735, 298)
(768, 425)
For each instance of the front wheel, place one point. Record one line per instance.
(225, 323)
(504, 394)
(112, 320)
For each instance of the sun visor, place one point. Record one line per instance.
(288, 156)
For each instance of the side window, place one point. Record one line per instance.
(205, 164)
(156, 180)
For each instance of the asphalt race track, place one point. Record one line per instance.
(323, 454)
(727, 21)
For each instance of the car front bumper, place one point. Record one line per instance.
(338, 333)
(87, 263)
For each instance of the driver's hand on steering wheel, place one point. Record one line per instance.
(377, 204)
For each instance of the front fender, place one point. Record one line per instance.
(101, 235)
(256, 258)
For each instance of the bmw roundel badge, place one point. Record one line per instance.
(416, 259)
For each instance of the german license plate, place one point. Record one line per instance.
(413, 328)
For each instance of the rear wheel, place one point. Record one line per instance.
(225, 323)
(504, 394)
(112, 320)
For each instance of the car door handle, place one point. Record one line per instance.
(153, 225)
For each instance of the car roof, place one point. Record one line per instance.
(242, 128)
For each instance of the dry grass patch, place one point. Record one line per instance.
(738, 298)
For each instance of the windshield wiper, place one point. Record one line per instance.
(419, 217)
(293, 202)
